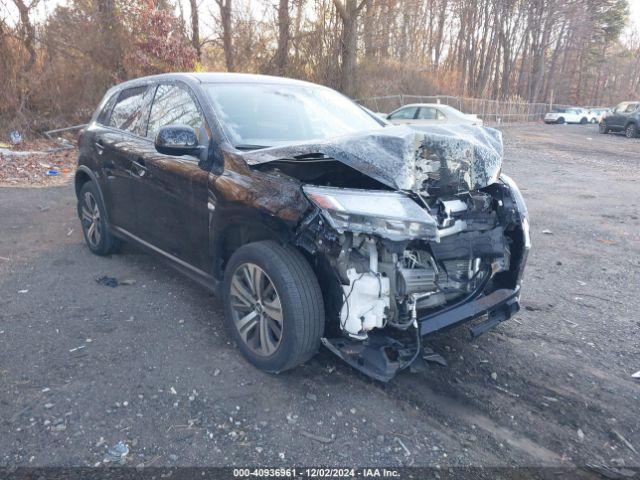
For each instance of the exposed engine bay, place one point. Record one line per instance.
(411, 230)
(388, 282)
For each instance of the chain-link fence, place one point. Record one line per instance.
(492, 112)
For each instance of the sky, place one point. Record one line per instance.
(7, 8)
(634, 14)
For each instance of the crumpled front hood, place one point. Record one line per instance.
(433, 160)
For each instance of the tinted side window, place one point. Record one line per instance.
(105, 113)
(405, 114)
(132, 109)
(173, 105)
(631, 108)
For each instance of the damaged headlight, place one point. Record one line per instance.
(516, 195)
(390, 215)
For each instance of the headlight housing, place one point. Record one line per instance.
(516, 195)
(391, 215)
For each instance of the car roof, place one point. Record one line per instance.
(423, 105)
(217, 77)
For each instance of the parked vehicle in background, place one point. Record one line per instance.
(625, 117)
(596, 114)
(567, 115)
(431, 113)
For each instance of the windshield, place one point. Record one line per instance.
(264, 115)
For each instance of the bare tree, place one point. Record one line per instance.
(348, 11)
(195, 29)
(226, 20)
(282, 52)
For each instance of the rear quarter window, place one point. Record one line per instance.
(131, 111)
(105, 113)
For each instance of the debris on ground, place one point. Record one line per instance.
(636, 375)
(429, 355)
(547, 232)
(113, 282)
(626, 442)
(404, 447)
(317, 438)
(117, 453)
(107, 281)
(36, 162)
(15, 137)
(610, 472)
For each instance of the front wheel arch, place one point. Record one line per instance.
(240, 232)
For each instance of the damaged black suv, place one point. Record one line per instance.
(313, 220)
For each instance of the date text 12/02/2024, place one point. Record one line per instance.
(315, 473)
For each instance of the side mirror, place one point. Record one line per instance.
(177, 140)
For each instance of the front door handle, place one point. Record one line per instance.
(139, 168)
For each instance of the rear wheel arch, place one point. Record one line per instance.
(81, 178)
(83, 175)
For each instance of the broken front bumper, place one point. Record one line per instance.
(500, 305)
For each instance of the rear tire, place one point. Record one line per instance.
(273, 305)
(593, 120)
(93, 218)
(631, 131)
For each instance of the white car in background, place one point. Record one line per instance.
(431, 113)
(596, 114)
(567, 115)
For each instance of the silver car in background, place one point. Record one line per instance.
(431, 113)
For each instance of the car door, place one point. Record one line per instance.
(403, 116)
(171, 195)
(117, 144)
(628, 114)
(616, 118)
(429, 115)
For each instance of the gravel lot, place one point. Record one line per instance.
(83, 366)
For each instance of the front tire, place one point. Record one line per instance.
(93, 218)
(631, 131)
(583, 121)
(561, 120)
(273, 305)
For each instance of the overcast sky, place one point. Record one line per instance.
(7, 8)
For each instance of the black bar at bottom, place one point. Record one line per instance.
(473, 309)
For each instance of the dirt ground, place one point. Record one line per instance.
(83, 366)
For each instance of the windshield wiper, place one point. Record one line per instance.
(248, 146)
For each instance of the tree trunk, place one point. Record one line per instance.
(227, 43)
(348, 12)
(195, 29)
(282, 53)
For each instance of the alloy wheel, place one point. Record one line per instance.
(630, 132)
(91, 219)
(256, 309)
